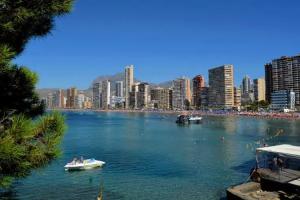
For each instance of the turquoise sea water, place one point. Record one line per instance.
(148, 156)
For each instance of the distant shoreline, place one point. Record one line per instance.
(290, 116)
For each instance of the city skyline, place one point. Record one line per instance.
(180, 39)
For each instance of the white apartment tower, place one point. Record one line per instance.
(105, 94)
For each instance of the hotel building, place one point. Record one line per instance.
(128, 84)
(181, 95)
(198, 85)
(283, 74)
(71, 97)
(160, 97)
(96, 100)
(105, 95)
(221, 92)
(259, 88)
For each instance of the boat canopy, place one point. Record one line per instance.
(284, 149)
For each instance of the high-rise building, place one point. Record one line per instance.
(283, 99)
(59, 99)
(139, 96)
(181, 95)
(96, 101)
(221, 92)
(160, 97)
(268, 81)
(198, 85)
(71, 98)
(119, 89)
(283, 74)
(142, 96)
(259, 87)
(87, 104)
(237, 97)
(79, 102)
(204, 97)
(246, 85)
(105, 94)
(128, 84)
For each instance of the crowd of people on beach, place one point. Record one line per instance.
(268, 115)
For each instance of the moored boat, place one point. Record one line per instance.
(83, 164)
(187, 119)
(276, 176)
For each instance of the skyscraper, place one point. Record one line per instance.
(142, 96)
(96, 101)
(139, 96)
(79, 103)
(246, 85)
(128, 84)
(198, 85)
(181, 95)
(119, 89)
(71, 97)
(284, 74)
(237, 97)
(259, 89)
(221, 92)
(268, 81)
(105, 94)
(59, 99)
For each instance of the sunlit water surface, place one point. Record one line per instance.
(149, 156)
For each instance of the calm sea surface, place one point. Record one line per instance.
(149, 156)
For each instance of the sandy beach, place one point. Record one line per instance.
(263, 115)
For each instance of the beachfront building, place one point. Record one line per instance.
(59, 99)
(221, 92)
(283, 99)
(119, 89)
(79, 101)
(117, 102)
(143, 96)
(181, 95)
(87, 104)
(237, 98)
(139, 96)
(160, 97)
(105, 95)
(198, 85)
(204, 97)
(71, 98)
(283, 74)
(96, 99)
(259, 88)
(129, 81)
(268, 81)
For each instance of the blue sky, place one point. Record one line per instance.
(164, 39)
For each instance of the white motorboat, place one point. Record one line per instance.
(195, 119)
(83, 164)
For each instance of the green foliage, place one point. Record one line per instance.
(25, 144)
(17, 91)
(28, 144)
(256, 105)
(20, 20)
